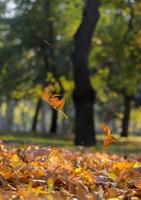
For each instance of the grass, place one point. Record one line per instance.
(128, 145)
(36, 140)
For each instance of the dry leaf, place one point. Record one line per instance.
(34, 173)
(109, 139)
(82, 192)
(137, 183)
(54, 100)
(112, 192)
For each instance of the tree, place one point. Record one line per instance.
(119, 52)
(84, 95)
(28, 33)
(128, 62)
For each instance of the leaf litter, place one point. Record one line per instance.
(34, 173)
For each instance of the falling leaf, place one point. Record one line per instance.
(109, 139)
(54, 100)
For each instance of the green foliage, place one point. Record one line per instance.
(23, 48)
(115, 59)
(117, 46)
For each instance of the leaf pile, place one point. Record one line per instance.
(33, 173)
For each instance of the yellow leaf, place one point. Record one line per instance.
(109, 139)
(112, 176)
(15, 161)
(77, 170)
(50, 183)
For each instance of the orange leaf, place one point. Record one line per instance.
(54, 100)
(109, 139)
(138, 183)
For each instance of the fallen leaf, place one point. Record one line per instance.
(137, 183)
(112, 192)
(82, 192)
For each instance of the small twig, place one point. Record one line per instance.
(46, 42)
(61, 112)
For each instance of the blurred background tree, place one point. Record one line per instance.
(119, 53)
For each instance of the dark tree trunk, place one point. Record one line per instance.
(50, 60)
(43, 119)
(47, 56)
(84, 95)
(46, 51)
(53, 128)
(54, 117)
(126, 117)
(35, 119)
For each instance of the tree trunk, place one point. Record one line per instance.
(43, 119)
(54, 118)
(35, 119)
(53, 128)
(84, 95)
(10, 114)
(47, 57)
(126, 117)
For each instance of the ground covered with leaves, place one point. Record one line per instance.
(52, 173)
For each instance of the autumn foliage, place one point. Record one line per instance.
(33, 173)
(54, 100)
(109, 139)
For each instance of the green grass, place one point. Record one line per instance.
(36, 140)
(124, 145)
